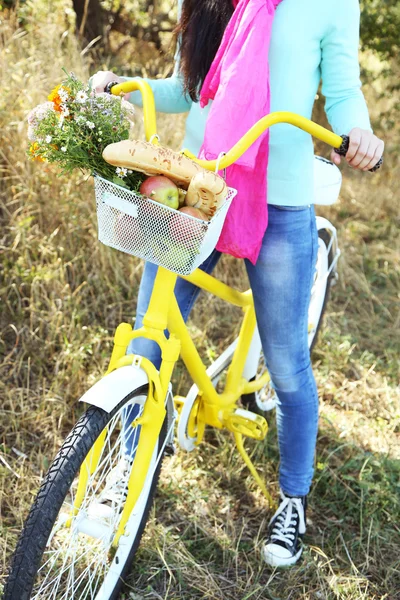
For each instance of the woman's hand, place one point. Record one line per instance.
(364, 151)
(100, 79)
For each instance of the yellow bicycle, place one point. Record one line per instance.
(75, 544)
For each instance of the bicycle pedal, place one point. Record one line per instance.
(246, 423)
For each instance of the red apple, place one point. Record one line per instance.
(128, 233)
(161, 189)
(194, 212)
(188, 232)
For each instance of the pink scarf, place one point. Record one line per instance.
(238, 84)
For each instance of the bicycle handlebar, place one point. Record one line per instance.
(339, 143)
(342, 151)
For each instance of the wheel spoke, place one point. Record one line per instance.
(63, 570)
(106, 461)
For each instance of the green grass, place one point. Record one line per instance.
(205, 541)
(63, 294)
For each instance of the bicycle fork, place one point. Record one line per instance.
(150, 421)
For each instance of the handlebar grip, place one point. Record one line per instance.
(109, 85)
(343, 149)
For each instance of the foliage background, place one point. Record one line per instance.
(62, 295)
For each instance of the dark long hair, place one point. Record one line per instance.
(201, 28)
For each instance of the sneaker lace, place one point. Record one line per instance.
(289, 511)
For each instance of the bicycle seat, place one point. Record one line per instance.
(327, 181)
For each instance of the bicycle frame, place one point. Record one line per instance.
(215, 409)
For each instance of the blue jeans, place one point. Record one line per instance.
(281, 282)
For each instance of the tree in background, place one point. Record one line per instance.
(380, 27)
(91, 21)
(149, 20)
(141, 19)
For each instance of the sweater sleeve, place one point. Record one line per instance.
(168, 93)
(345, 104)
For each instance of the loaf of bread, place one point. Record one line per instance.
(205, 190)
(150, 159)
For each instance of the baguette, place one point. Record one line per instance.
(150, 159)
(205, 190)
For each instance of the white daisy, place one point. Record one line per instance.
(81, 97)
(64, 110)
(63, 149)
(48, 139)
(121, 171)
(62, 92)
(90, 124)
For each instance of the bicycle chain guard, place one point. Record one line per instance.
(189, 422)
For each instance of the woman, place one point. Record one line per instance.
(310, 40)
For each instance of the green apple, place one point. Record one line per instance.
(161, 189)
(178, 257)
(171, 254)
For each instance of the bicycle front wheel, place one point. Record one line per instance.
(62, 558)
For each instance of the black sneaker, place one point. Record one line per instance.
(283, 546)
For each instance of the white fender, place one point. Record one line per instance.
(114, 387)
(323, 223)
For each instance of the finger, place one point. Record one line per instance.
(361, 152)
(96, 77)
(355, 141)
(100, 80)
(335, 158)
(377, 156)
(361, 161)
(101, 84)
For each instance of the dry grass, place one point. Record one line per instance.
(62, 294)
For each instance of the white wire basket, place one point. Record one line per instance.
(161, 235)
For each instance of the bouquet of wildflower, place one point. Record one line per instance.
(75, 125)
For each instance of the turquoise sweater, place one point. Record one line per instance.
(311, 39)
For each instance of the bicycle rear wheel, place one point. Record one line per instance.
(57, 561)
(321, 286)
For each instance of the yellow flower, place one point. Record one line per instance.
(34, 149)
(54, 97)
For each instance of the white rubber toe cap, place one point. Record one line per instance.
(277, 556)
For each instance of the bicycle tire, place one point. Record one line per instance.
(52, 494)
(324, 237)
